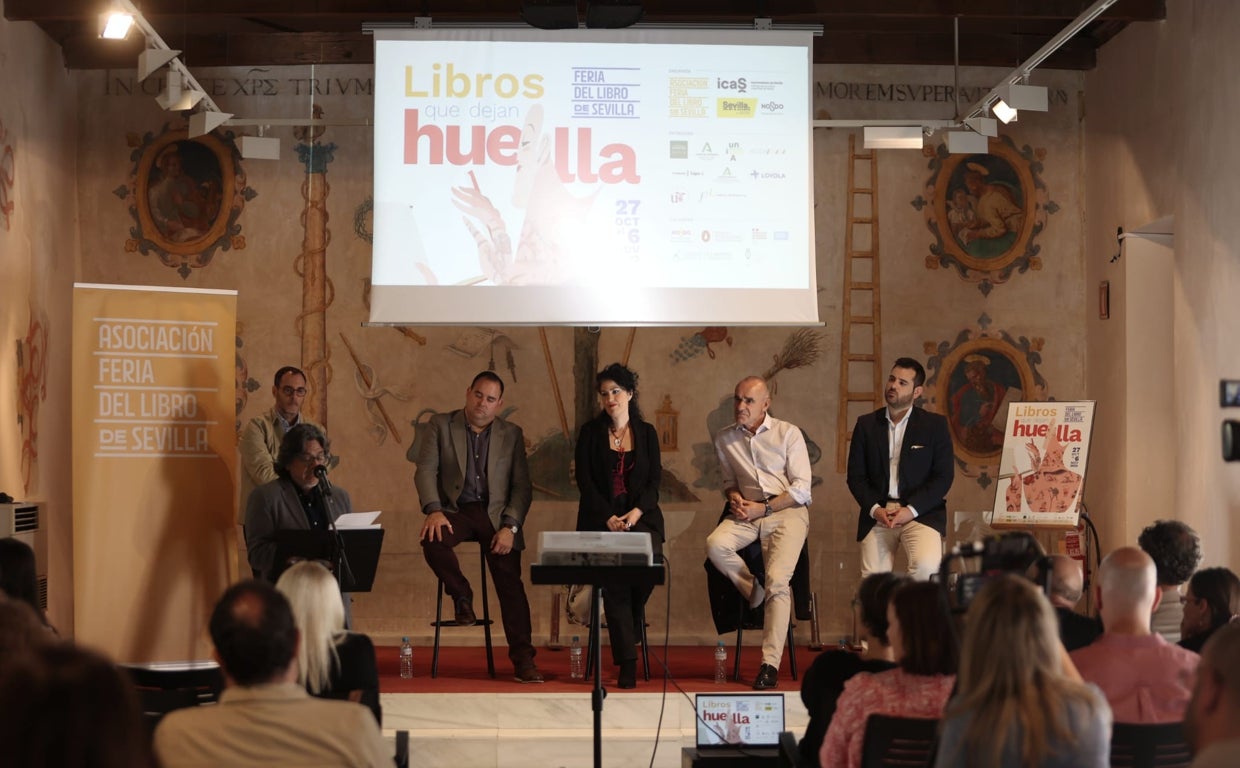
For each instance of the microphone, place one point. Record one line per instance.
(324, 484)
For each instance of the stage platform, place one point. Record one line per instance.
(464, 718)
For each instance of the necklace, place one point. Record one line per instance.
(618, 437)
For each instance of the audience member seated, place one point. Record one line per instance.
(825, 678)
(264, 718)
(1020, 704)
(923, 644)
(1212, 599)
(333, 663)
(1067, 584)
(1145, 678)
(19, 578)
(1212, 723)
(69, 708)
(1176, 552)
(21, 629)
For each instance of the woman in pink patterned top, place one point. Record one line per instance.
(925, 646)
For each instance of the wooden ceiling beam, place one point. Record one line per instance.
(251, 50)
(381, 10)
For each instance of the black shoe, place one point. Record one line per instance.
(627, 678)
(768, 677)
(465, 616)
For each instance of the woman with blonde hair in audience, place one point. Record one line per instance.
(1211, 600)
(923, 644)
(333, 663)
(1020, 702)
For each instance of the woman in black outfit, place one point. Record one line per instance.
(618, 472)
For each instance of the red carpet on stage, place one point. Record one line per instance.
(464, 670)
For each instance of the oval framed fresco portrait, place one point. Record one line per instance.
(985, 207)
(184, 191)
(979, 379)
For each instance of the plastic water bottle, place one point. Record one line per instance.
(721, 664)
(576, 661)
(406, 659)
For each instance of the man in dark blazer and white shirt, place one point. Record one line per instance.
(900, 468)
(474, 485)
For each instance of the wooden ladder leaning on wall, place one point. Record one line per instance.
(861, 374)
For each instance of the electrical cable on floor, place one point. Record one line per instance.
(667, 676)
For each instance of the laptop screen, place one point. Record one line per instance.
(736, 719)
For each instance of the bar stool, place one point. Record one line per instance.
(484, 621)
(790, 645)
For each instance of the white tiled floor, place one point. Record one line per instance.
(521, 730)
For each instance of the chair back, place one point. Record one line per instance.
(789, 754)
(163, 688)
(898, 742)
(1141, 745)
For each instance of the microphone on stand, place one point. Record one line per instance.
(325, 485)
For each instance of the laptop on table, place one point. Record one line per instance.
(748, 723)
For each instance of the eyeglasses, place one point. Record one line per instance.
(315, 458)
(1186, 599)
(290, 391)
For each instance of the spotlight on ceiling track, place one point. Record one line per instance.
(893, 137)
(175, 98)
(967, 143)
(1015, 96)
(1002, 111)
(115, 25)
(152, 59)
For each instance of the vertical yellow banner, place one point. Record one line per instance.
(154, 467)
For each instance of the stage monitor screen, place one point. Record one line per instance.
(631, 177)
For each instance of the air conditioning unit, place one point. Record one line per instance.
(24, 522)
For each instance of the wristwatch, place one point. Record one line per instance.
(514, 528)
(767, 504)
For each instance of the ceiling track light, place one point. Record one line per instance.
(115, 24)
(1003, 111)
(893, 137)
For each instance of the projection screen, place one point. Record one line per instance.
(631, 177)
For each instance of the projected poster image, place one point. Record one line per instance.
(579, 167)
(553, 222)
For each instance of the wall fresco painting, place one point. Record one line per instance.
(7, 171)
(31, 391)
(986, 211)
(972, 380)
(186, 197)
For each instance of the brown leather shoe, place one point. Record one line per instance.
(465, 616)
(528, 674)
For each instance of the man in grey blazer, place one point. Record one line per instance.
(474, 485)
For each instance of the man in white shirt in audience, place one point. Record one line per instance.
(264, 718)
(1212, 722)
(1145, 678)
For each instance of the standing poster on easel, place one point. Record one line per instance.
(1042, 472)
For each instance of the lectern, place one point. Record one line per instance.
(597, 576)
